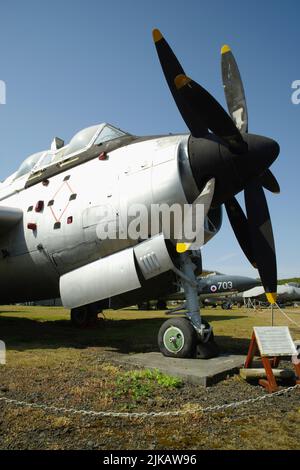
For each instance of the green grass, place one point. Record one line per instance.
(125, 331)
(292, 279)
(144, 383)
(51, 362)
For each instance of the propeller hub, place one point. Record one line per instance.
(262, 152)
(209, 158)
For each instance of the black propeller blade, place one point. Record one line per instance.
(269, 182)
(240, 226)
(234, 90)
(171, 68)
(262, 236)
(212, 113)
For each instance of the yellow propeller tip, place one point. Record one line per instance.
(182, 247)
(181, 80)
(157, 36)
(225, 49)
(272, 297)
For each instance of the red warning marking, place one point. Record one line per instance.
(58, 217)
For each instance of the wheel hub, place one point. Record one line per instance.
(173, 339)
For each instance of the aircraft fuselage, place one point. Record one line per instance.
(61, 214)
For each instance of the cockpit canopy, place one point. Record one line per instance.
(28, 164)
(82, 141)
(93, 135)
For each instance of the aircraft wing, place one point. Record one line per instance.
(255, 292)
(9, 217)
(284, 292)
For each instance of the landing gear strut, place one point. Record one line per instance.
(84, 317)
(191, 336)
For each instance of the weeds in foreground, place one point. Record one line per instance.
(143, 384)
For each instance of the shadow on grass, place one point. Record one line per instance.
(230, 344)
(123, 336)
(212, 318)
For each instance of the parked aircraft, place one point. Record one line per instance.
(285, 293)
(51, 209)
(212, 286)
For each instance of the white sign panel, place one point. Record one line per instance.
(274, 341)
(2, 353)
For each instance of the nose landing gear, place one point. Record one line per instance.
(191, 336)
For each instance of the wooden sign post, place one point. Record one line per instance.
(271, 344)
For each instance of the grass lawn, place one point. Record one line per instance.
(130, 330)
(49, 361)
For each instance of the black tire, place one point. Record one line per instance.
(210, 349)
(84, 317)
(185, 347)
(226, 306)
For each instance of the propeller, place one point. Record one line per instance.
(171, 68)
(237, 160)
(234, 90)
(269, 182)
(237, 106)
(259, 235)
(214, 116)
(210, 115)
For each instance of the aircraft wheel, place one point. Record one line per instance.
(226, 306)
(210, 348)
(83, 317)
(177, 338)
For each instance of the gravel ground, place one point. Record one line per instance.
(89, 380)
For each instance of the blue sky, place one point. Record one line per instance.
(70, 64)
